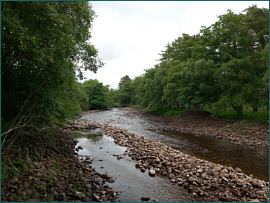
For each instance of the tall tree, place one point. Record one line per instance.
(235, 48)
(43, 45)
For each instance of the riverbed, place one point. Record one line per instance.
(251, 160)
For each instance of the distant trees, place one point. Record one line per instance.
(95, 93)
(227, 64)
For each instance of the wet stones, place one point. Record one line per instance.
(55, 174)
(213, 182)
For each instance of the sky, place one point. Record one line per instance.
(129, 35)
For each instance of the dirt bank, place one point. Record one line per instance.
(45, 168)
(251, 133)
(212, 182)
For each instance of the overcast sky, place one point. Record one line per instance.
(129, 35)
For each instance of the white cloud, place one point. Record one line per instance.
(129, 35)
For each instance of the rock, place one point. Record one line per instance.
(255, 183)
(154, 200)
(138, 165)
(105, 176)
(254, 200)
(238, 170)
(237, 192)
(152, 173)
(143, 169)
(191, 180)
(60, 197)
(110, 191)
(145, 199)
(80, 147)
(222, 196)
(96, 197)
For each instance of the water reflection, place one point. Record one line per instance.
(131, 182)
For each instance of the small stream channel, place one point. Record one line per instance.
(133, 184)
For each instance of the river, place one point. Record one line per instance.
(134, 184)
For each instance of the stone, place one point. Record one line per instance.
(105, 176)
(145, 199)
(143, 169)
(152, 172)
(238, 170)
(255, 183)
(138, 165)
(254, 200)
(237, 192)
(111, 191)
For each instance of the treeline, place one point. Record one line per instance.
(45, 46)
(225, 65)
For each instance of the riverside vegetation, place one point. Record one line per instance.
(44, 49)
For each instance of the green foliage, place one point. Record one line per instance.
(125, 93)
(96, 96)
(197, 86)
(261, 115)
(43, 45)
(226, 66)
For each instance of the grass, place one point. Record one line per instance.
(230, 114)
(169, 111)
(247, 115)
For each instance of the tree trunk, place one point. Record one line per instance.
(255, 108)
(238, 109)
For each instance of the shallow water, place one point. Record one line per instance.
(253, 161)
(129, 181)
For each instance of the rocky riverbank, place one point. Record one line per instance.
(212, 182)
(46, 168)
(251, 133)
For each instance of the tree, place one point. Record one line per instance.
(96, 96)
(235, 46)
(197, 86)
(123, 80)
(153, 87)
(171, 82)
(125, 91)
(42, 45)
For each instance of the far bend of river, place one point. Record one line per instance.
(253, 161)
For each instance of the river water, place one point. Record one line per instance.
(133, 184)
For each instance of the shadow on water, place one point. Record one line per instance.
(131, 182)
(251, 160)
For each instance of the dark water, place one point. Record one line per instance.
(131, 182)
(253, 161)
